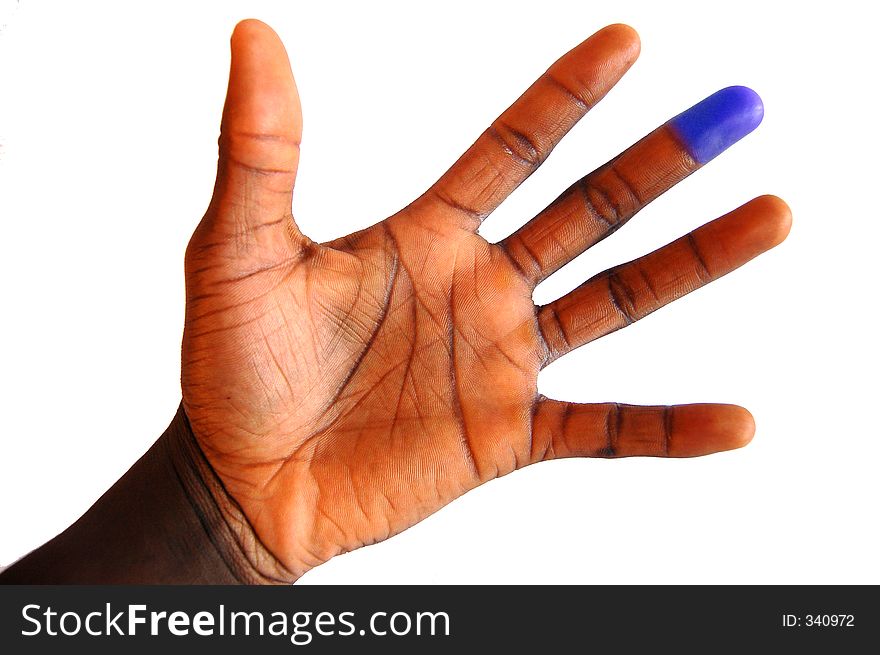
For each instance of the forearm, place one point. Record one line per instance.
(161, 523)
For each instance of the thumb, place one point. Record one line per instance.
(259, 142)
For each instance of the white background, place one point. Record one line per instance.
(108, 122)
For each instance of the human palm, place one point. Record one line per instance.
(344, 391)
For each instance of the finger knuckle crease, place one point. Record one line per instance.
(517, 144)
(613, 419)
(703, 272)
(599, 206)
(582, 97)
(622, 297)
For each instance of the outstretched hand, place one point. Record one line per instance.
(343, 391)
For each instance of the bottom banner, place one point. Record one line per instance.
(435, 619)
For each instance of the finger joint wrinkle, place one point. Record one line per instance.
(261, 136)
(561, 334)
(609, 216)
(532, 256)
(259, 170)
(622, 298)
(613, 420)
(454, 204)
(582, 99)
(628, 187)
(702, 270)
(649, 285)
(667, 429)
(517, 144)
(567, 409)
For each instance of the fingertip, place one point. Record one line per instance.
(703, 429)
(262, 96)
(626, 37)
(253, 39)
(778, 217)
(261, 125)
(741, 425)
(764, 222)
(741, 235)
(249, 27)
(717, 122)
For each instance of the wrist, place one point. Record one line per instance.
(230, 533)
(168, 520)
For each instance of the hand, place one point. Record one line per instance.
(344, 391)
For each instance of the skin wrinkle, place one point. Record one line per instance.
(622, 298)
(205, 296)
(231, 512)
(584, 104)
(667, 429)
(629, 188)
(611, 223)
(316, 351)
(649, 285)
(288, 265)
(355, 492)
(278, 364)
(342, 322)
(409, 360)
(564, 428)
(475, 350)
(259, 136)
(505, 248)
(227, 308)
(263, 226)
(489, 188)
(363, 397)
(258, 170)
(534, 257)
(226, 328)
(516, 144)
(210, 531)
(612, 429)
(203, 269)
(560, 326)
(453, 375)
(510, 360)
(455, 205)
(360, 358)
(530, 443)
(703, 270)
(556, 246)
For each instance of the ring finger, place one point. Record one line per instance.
(600, 203)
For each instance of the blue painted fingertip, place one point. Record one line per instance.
(713, 125)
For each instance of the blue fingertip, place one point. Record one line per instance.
(713, 125)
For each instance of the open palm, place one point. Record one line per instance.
(344, 391)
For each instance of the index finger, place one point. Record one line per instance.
(521, 138)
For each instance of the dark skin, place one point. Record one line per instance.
(335, 394)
